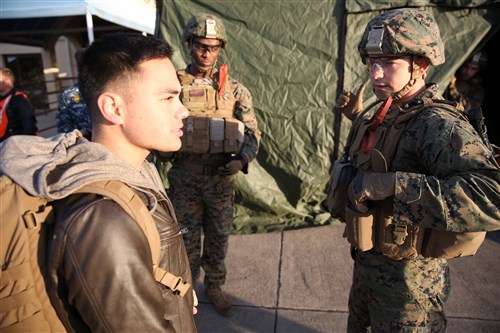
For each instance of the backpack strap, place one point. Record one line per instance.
(135, 207)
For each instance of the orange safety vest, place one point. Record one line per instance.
(4, 103)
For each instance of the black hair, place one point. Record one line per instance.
(115, 57)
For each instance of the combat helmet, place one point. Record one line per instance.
(205, 26)
(403, 31)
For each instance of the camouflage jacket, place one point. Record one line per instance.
(243, 111)
(445, 176)
(468, 93)
(72, 111)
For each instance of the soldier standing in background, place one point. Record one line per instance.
(422, 179)
(466, 88)
(220, 139)
(466, 85)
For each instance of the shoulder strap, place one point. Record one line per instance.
(135, 207)
(184, 77)
(20, 93)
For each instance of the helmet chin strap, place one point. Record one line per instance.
(202, 69)
(377, 118)
(413, 79)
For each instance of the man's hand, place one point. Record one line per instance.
(195, 302)
(351, 104)
(231, 166)
(370, 186)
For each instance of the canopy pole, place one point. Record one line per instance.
(90, 25)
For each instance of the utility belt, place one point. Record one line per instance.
(375, 230)
(211, 135)
(197, 169)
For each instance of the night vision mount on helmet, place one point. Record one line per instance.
(205, 26)
(403, 31)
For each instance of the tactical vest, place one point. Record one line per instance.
(376, 228)
(211, 126)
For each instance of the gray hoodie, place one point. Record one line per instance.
(55, 167)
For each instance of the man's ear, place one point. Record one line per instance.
(111, 106)
(423, 64)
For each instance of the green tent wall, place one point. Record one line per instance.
(295, 57)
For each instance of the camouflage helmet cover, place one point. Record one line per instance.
(205, 26)
(403, 31)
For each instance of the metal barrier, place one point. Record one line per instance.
(43, 98)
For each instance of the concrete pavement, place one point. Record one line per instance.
(298, 281)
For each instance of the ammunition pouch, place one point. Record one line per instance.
(207, 135)
(447, 245)
(359, 229)
(376, 230)
(211, 127)
(394, 240)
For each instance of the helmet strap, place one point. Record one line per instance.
(415, 75)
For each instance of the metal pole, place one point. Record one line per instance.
(90, 25)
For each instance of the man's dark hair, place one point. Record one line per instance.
(114, 57)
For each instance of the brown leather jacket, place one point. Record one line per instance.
(100, 269)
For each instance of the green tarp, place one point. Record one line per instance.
(295, 57)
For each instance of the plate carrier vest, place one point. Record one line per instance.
(376, 229)
(211, 126)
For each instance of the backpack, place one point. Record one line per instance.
(24, 300)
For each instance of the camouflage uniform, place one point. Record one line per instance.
(203, 199)
(72, 111)
(433, 161)
(466, 85)
(444, 179)
(468, 93)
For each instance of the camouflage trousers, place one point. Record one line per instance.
(397, 296)
(204, 204)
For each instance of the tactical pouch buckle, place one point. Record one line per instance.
(399, 234)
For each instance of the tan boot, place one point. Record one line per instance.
(221, 303)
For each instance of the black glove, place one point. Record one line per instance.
(231, 166)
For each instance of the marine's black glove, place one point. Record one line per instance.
(231, 166)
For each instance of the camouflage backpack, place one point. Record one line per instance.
(24, 300)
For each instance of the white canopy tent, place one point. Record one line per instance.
(134, 14)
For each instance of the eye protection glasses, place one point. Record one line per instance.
(205, 47)
(385, 63)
